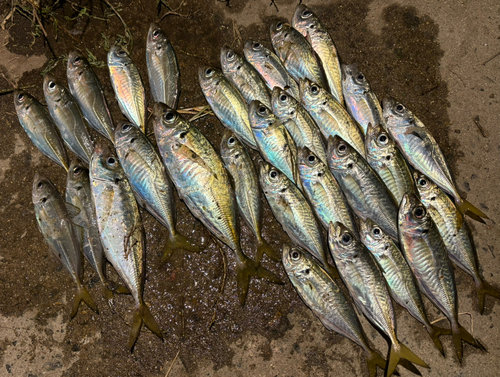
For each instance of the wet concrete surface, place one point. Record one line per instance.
(433, 56)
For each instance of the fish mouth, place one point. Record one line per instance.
(159, 108)
(286, 254)
(407, 203)
(388, 103)
(101, 149)
(334, 231)
(277, 91)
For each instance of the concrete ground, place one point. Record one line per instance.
(439, 57)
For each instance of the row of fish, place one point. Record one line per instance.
(334, 158)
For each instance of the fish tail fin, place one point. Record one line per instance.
(245, 268)
(110, 287)
(142, 315)
(374, 360)
(467, 208)
(435, 332)
(108, 293)
(332, 271)
(459, 333)
(400, 354)
(83, 295)
(265, 248)
(483, 288)
(177, 241)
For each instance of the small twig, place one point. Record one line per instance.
(35, 13)
(479, 127)
(237, 35)
(493, 57)
(172, 364)
(456, 74)
(7, 91)
(221, 289)
(471, 321)
(273, 3)
(127, 30)
(189, 54)
(174, 12)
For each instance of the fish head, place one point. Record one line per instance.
(413, 217)
(254, 52)
(168, 124)
(230, 146)
(396, 115)
(312, 95)
(52, 89)
(297, 262)
(309, 164)
(427, 189)
(77, 64)
(156, 40)
(126, 134)
(378, 141)
(105, 166)
(342, 242)
(22, 101)
(209, 77)
(340, 154)
(43, 190)
(284, 105)
(353, 80)
(373, 236)
(230, 61)
(260, 116)
(304, 20)
(280, 31)
(118, 56)
(272, 179)
(78, 174)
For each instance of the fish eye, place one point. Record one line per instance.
(126, 127)
(279, 25)
(342, 148)
(295, 255)
(77, 170)
(273, 173)
(283, 97)
(256, 45)
(399, 108)
(419, 212)
(52, 84)
(20, 97)
(156, 33)
(209, 72)
(111, 161)
(311, 158)
(306, 14)
(40, 184)
(169, 116)
(314, 89)
(376, 231)
(122, 53)
(230, 55)
(262, 110)
(361, 76)
(383, 139)
(77, 59)
(346, 239)
(231, 140)
(422, 182)
(183, 134)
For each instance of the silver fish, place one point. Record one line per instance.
(306, 22)
(398, 276)
(163, 69)
(365, 192)
(296, 54)
(243, 76)
(331, 118)
(122, 232)
(367, 287)
(425, 252)
(298, 122)
(270, 68)
(40, 128)
(423, 153)
(385, 158)
(361, 101)
(68, 118)
(203, 184)
(128, 86)
(293, 212)
(86, 88)
(327, 301)
(54, 221)
(149, 181)
(273, 140)
(458, 240)
(247, 190)
(323, 191)
(227, 103)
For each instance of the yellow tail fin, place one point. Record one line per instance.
(82, 295)
(467, 208)
(459, 334)
(400, 351)
(142, 315)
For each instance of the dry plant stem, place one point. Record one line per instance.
(172, 364)
(471, 321)
(223, 283)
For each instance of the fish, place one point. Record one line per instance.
(68, 118)
(246, 186)
(227, 103)
(54, 221)
(296, 53)
(298, 122)
(362, 103)
(365, 192)
(294, 213)
(398, 277)
(385, 158)
(323, 191)
(275, 144)
(40, 128)
(163, 69)
(458, 240)
(149, 181)
(86, 88)
(203, 184)
(128, 86)
(422, 152)
(78, 194)
(367, 287)
(425, 252)
(309, 25)
(243, 76)
(331, 118)
(326, 300)
(270, 68)
(122, 233)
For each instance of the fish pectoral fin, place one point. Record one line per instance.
(64, 159)
(143, 315)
